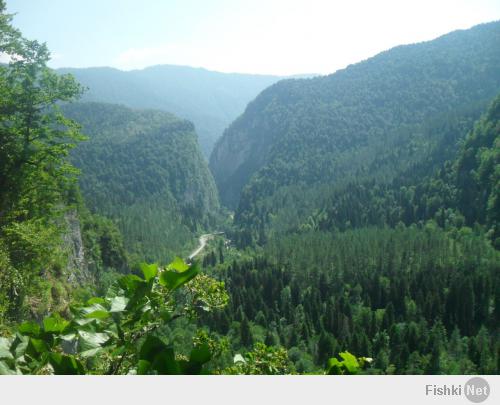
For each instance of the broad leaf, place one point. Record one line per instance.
(6, 370)
(91, 340)
(91, 352)
(98, 315)
(149, 270)
(160, 356)
(150, 347)
(143, 367)
(334, 366)
(96, 300)
(166, 315)
(118, 304)
(173, 279)
(54, 324)
(350, 362)
(200, 354)
(178, 265)
(165, 363)
(130, 282)
(139, 293)
(29, 328)
(38, 345)
(5, 352)
(95, 311)
(20, 345)
(65, 364)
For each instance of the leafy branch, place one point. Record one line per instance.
(117, 334)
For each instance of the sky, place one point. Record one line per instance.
(280, 37)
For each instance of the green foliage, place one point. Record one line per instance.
(349, 364)
(144, 170)
(416, 299)
(207, 293)
(394, 262)
(36, 179)
(115, 334)
(103, 243)
(460, 192)
(370, 221)
(262, 360)
(477, 174)
(178, 274)
(36, 137)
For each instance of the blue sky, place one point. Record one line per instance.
(258, 36)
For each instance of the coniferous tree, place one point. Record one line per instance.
(246, 333)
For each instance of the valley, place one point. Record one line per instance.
(346, 223)
(210, 100)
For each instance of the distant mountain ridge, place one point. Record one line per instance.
(211, 100)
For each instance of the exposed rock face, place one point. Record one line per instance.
(77, 269)
(236, 157)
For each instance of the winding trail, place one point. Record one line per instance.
(203, 239)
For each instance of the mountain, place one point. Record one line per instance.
(144, 169)
(407, 271)
(464, 191)
(373, 120)
(211, 100)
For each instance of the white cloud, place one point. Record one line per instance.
(296, 36)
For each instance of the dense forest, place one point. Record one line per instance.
(406, 272)
(143, 168)
(373, 220)
(364, 239)
(415, 299)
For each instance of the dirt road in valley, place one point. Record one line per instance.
(203, 239)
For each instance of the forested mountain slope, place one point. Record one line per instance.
(211, 100)
(462, 191)
(144, 169)
(404, 271)
(374, 119)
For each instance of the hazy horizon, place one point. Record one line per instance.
(189, 67)
(280, 38)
